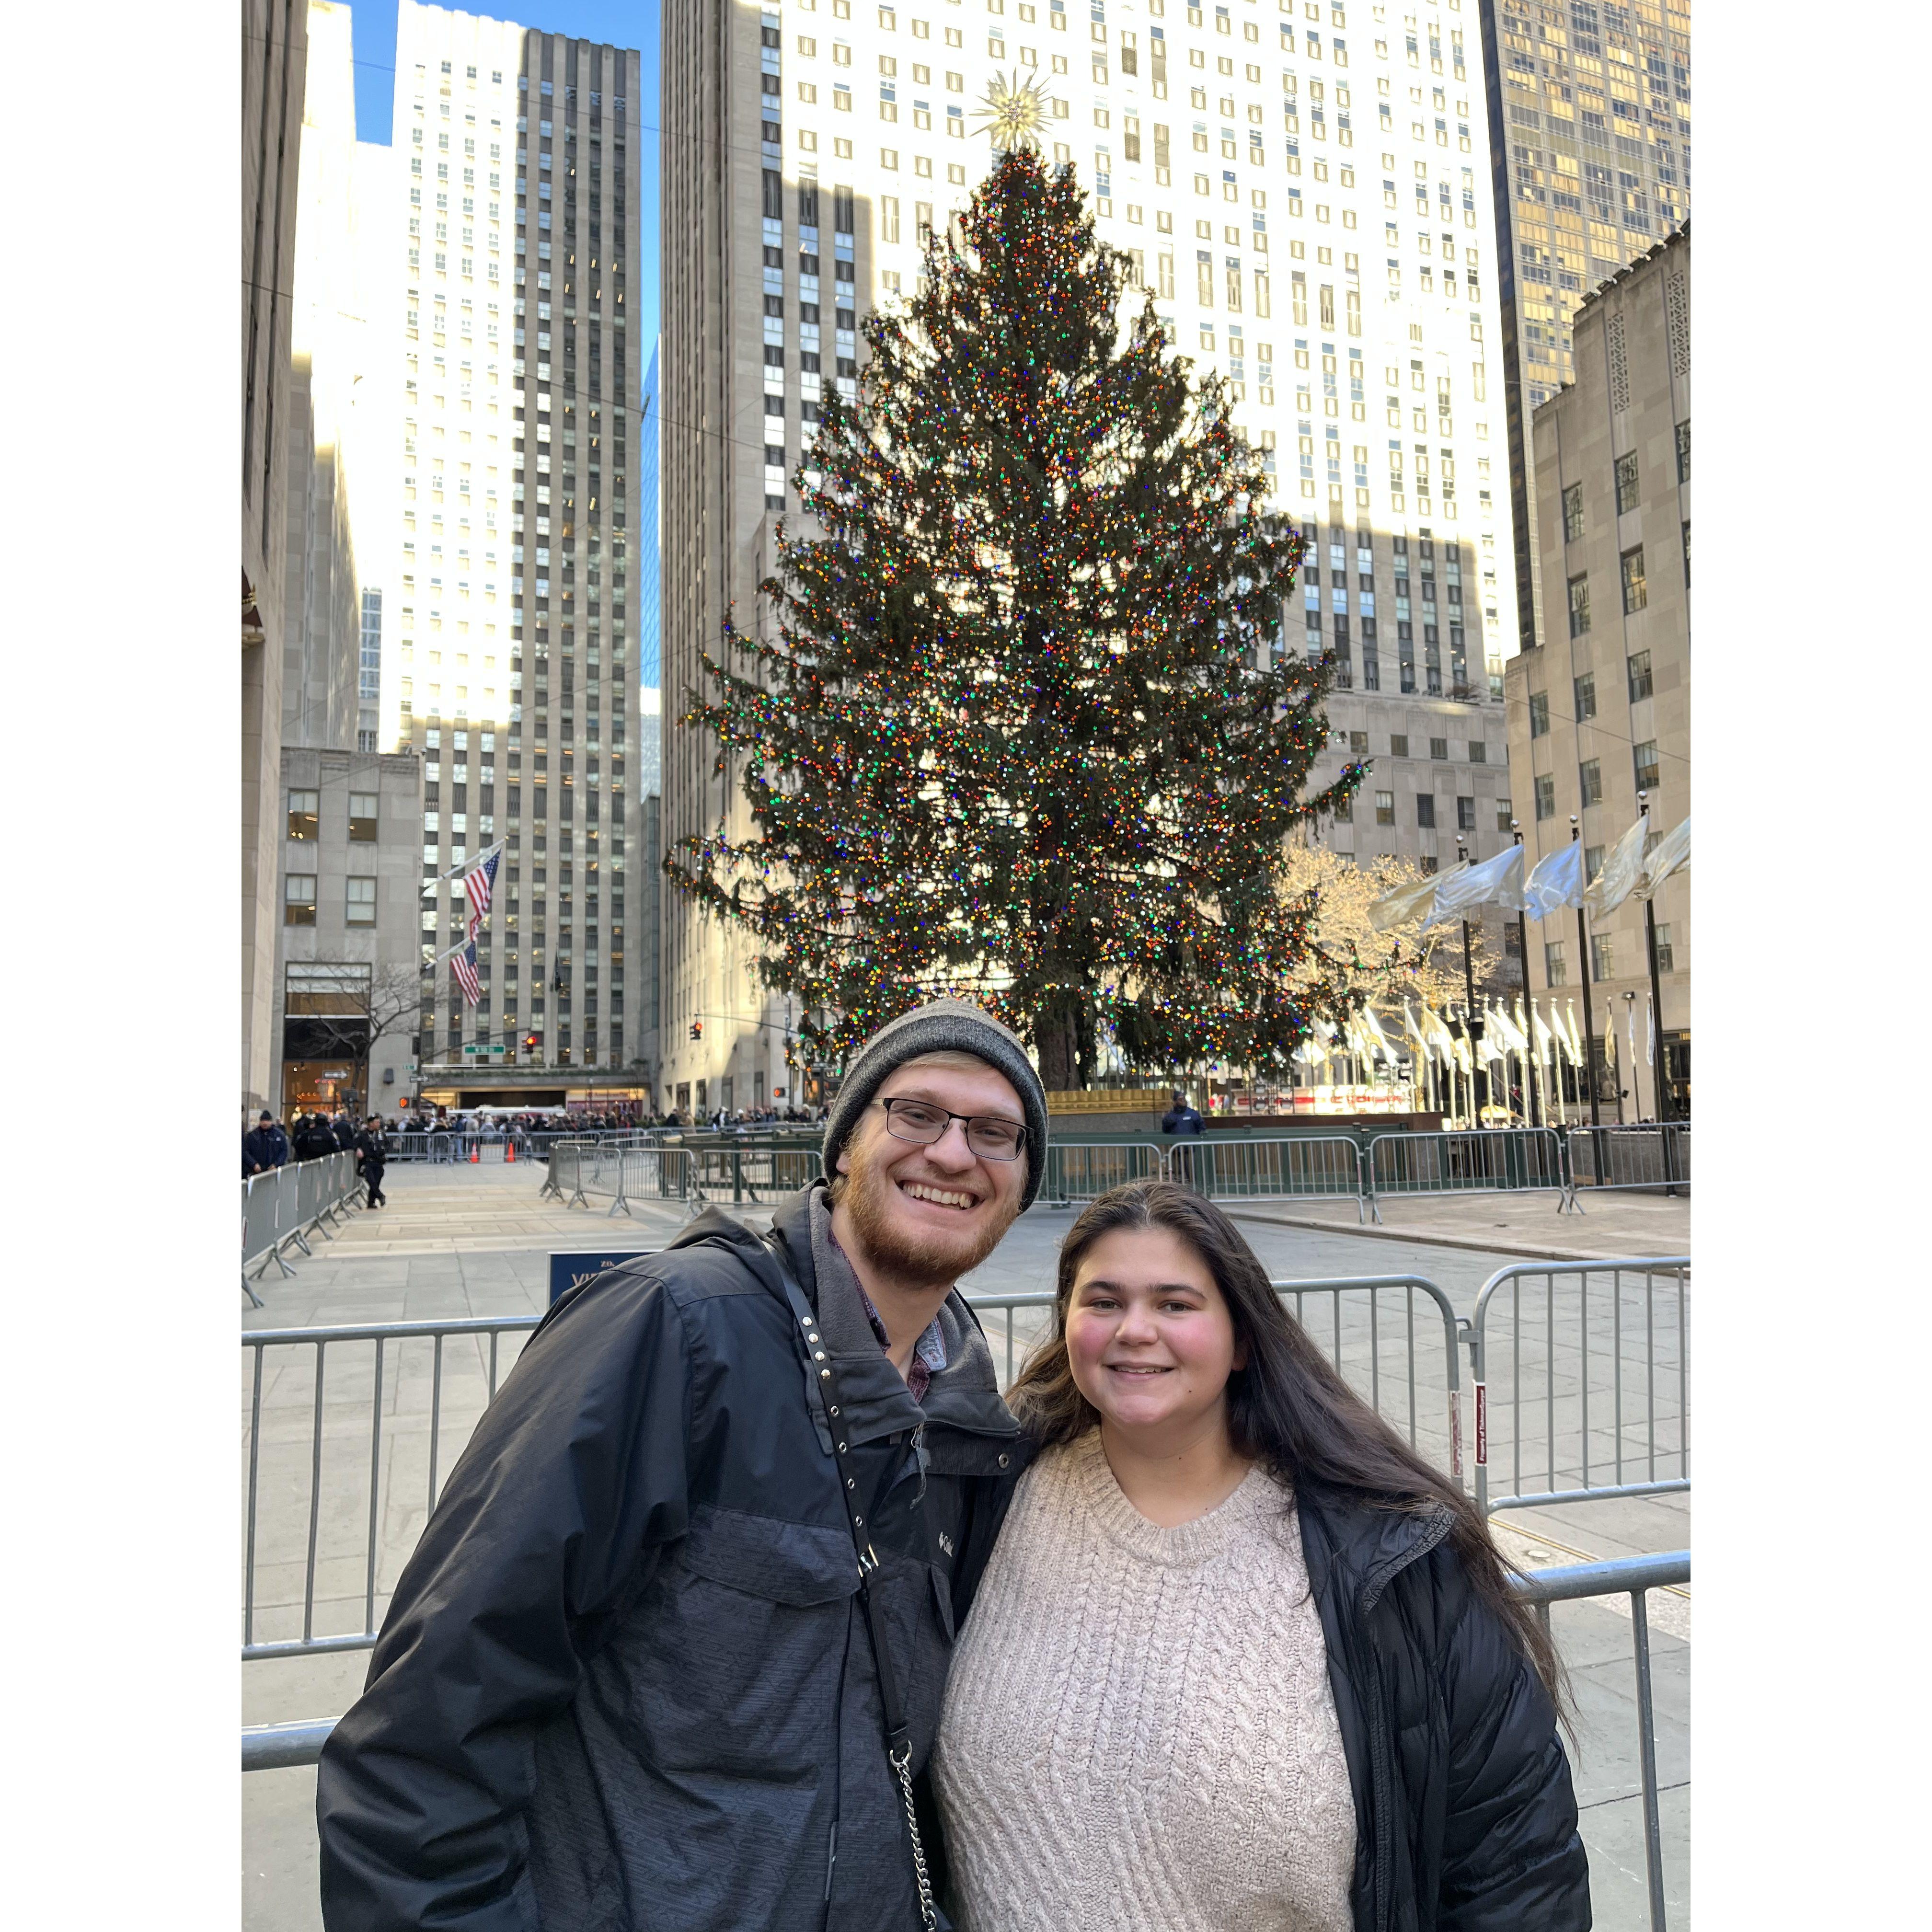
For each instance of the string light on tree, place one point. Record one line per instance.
(1021, 729)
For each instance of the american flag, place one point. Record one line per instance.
(462, 963)
(476, 885)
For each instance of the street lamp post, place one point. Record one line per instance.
(1529, 1014)
(1589, 1024)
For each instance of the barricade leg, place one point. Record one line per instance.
(274, 1254)
(619, 1201)
(255, 1299)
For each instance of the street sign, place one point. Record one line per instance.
(473, 1051)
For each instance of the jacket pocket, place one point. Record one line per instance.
(800, 1563)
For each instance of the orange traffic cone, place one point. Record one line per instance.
(510, 1151)
(475, 1151)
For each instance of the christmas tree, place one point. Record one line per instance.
(1021, 729)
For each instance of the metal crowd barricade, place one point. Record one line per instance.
(1293, 1167)
(1582, 1374)
(1476, 1160)
(754, 1172)
(1635, 1576)
(1654, 1155)
(1082, 1171)
(336, 1447)
(282, 1207)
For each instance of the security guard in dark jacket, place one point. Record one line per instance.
(710, 1542)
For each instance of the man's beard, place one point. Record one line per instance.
(919, 1261)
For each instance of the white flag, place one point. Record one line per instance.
(1671, 852)
(1408, 902)
(1629, 1032)
(1621, 871)
(1545, 1040)
(1650, 1033)
(1497, 881)
(1557, 882)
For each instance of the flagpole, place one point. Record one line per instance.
(1589, 1024)
(1523, 950)
(1472, 1026)
(1664, 1103)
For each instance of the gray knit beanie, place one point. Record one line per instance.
(946, 1025)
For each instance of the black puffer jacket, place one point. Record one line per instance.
(1465, 1818)
(626, 1681)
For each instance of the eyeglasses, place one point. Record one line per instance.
(988, 1136)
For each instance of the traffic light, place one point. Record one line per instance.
(697, 1029)
(532, 1041)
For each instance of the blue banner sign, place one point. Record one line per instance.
(569, 1271)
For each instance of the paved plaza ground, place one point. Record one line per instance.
(475, 1241)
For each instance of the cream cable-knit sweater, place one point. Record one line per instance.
(1139, 1734)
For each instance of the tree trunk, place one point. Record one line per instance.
(1057, 1041)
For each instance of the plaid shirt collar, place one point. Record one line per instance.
(928, 1352)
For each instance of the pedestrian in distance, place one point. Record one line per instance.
(264, 1147)
(671, 1649)
(1181, 1118)
(344, 1129)
(1241, 1657)
(372, 1155)
(314, 1140)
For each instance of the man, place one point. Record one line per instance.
(265, 1146)
(313, 1141)
(1180, 1118)
(628, 1676)
(372, 1155)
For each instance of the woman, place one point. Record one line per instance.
(1240, 1659)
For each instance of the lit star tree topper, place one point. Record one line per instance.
(1020, 727)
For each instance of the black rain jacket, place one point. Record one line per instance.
(1465, 1817)
(625, 1680)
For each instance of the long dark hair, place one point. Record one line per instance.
(1287, 1408)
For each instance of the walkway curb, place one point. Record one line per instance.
(1417, 1239)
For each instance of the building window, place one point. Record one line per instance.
(1634, 596)
(1638, 665)
(1684, 451)
(304, 814)
(1385, 808)
(1345, 812)
(1602, 963)
(1579, 605)
(1465, 815)
(298, 898)
(1399, 745)
(1572, 513)
(1555, 973)
(1425, 810)
(1545, 797)
(1644, 758)
(1593, 862)
(1590, 782)
(1504, 821)
(1627, 498)
(1438, 750)
(1479, 752)
(1358, 742)
(360, 906)
(1539, 714)
(362, 817)
(1585, 688)
(1667, 961)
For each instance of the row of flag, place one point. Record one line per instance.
(1557, 882)
(479, 883)
(1509, 1032)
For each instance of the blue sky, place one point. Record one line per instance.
(624, 23)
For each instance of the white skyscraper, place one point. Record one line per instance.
(1314, 218)
(507, 638)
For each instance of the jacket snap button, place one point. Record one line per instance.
(820, 1356)
(851, 1482)
(825, 1375)
(1004, 1460)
